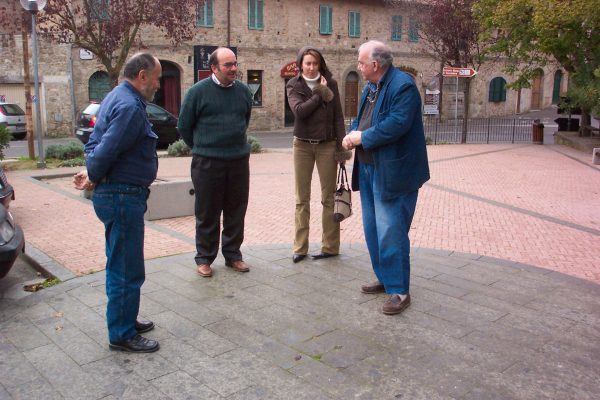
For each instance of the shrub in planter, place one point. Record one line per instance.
(5, 137)
(255, 146)
(65, 151)
(179, 149)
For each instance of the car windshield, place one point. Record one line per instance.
(12, 109)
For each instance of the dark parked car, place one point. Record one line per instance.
(7, 192)
(164, 124)
(13, 117)
(12, 241)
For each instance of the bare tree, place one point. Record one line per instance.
(450, 32)
(110, 28)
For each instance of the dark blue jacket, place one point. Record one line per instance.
(122, 147)
(396, 136)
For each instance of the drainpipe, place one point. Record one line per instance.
(72, 88)
(228, 23)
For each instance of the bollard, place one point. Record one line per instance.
(538, 132)
(596, 156)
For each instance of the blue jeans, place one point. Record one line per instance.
(121, 208)
(386, 224)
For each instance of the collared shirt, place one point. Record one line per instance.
(122, 147)
(218, 82)
(365, 156)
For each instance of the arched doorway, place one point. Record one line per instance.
(556, 89)
(98, 86)
(169, 94)
(351, 98)
(536, 90)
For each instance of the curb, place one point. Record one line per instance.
(45, 264)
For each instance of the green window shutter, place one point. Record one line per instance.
(353, 24)
(209, 13)
(413, 29)
(100, 10)
(255, 14)
(397, 27)
(259, 14)
(205, 14)
(497, 90)
(325, 20)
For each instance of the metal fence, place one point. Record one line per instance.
(479, 130)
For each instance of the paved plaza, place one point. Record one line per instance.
(505, 290)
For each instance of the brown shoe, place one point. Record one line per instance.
(205, 270)
(371, 288)
(394, 305)
(238, 265)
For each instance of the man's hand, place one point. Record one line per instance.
(352, 139)
(82, 182)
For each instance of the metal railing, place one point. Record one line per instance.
(479, 130)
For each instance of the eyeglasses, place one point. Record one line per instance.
(230, 65)
(362, 64)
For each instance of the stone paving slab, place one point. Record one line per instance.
(304, 331)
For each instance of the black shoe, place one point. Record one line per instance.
(298, 257)
(323, 255)
(143, 326)
(137, 344)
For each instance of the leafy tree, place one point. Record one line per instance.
(110, 28)
(533, 33)
(450, 33)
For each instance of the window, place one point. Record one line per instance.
(99, 10)
(397, 27)
(205, 14)
(255, 14)
(413, 29)
(497, 90)
(353, 24)
(255, 85)
(325, 20)
(98, 86)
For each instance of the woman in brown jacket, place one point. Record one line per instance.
(318, 132)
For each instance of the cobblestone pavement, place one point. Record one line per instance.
(478, 328)
(502, 237)
(538, 205)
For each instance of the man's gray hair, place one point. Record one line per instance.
(139, 61)
(379, 52)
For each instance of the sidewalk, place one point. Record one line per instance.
(505, 292)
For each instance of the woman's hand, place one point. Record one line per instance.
(323, 81)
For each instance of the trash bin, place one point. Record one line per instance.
(538, 132)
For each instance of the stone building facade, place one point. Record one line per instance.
(266, 35)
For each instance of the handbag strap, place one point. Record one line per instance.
(342, 178)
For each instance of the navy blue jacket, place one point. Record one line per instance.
(122, 147)
(396, 136)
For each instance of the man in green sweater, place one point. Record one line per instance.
(213, 121)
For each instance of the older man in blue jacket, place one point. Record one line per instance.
(390, 166)
(121, 164)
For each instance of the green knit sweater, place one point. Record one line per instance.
(213, 119)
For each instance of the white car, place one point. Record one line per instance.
(13, 117)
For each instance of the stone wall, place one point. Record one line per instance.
(288, 25)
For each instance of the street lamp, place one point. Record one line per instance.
(33, 6)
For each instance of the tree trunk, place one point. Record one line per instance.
(586, 121)
(466, 100)
(27, 83)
